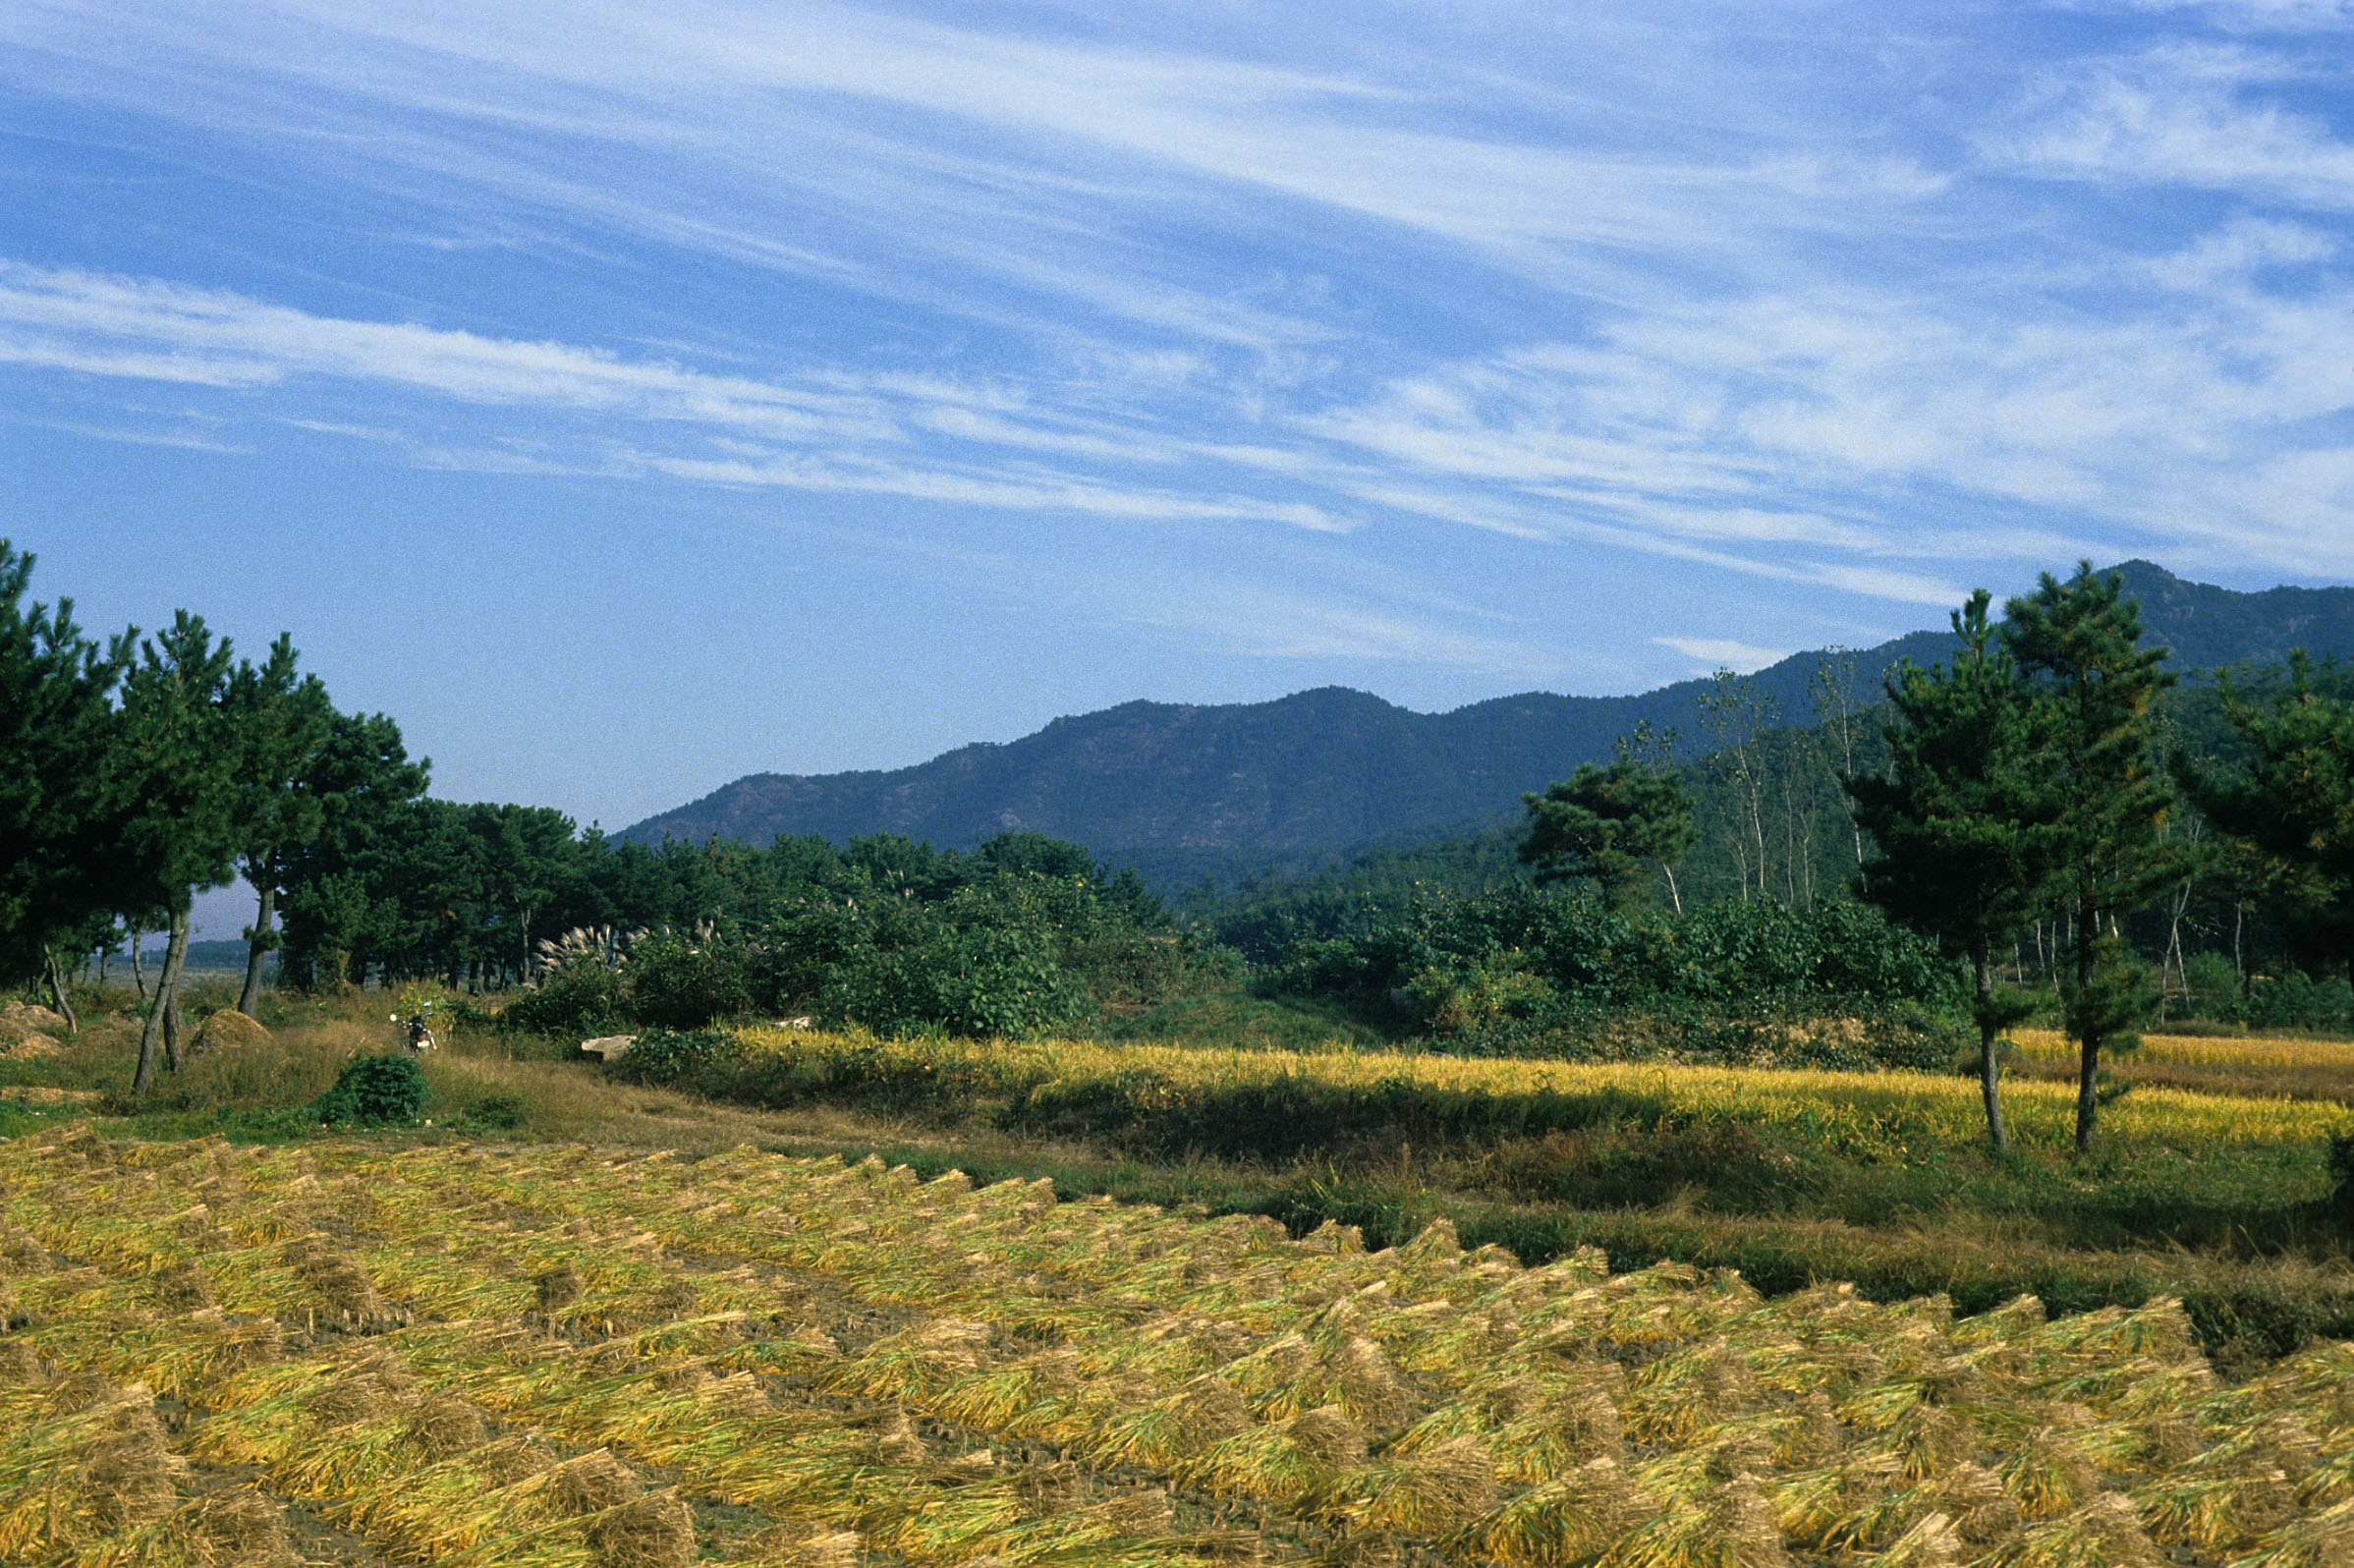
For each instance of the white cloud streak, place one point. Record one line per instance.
(831, 437)
(1716, 653)
(1364, 293)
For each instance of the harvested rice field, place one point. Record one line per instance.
(552, 1358)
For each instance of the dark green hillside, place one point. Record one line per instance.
(1223, 793)
(1316, 771)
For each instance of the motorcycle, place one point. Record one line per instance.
(417, 1037)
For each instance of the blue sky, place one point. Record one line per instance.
(630, 397)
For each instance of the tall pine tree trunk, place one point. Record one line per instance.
(251, 998)
(175, 962)
(57, 989)
(167, 986)
(2085, 935)
(139, 972)
(1990, 1066)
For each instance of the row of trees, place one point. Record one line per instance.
(2030, 781)
(2033, 783)
(1022, 934)
(138, 771)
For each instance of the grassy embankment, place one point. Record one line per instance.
(1792, 1177)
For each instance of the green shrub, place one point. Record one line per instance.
(581, 999)
(2341, 1172)
(978, 981)
(666, 1055)
(1444, 957)
(2214, 985)
(375, 1092)
(2296, 1001)
(676, 985)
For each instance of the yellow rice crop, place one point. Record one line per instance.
(2201, 1050)
(1864, 1112)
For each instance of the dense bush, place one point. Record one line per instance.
(1560, 973)
(1589, 954)
(1023, 937)
(978, 981)
(375, 1092)
(677, 984)
(2296, 1001)
(667, 1055)
(581, 998)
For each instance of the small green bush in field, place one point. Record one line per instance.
(2214, 985)
(375, 1092)
(2341, 1171)
(676, 985)
(666, 1055)
(578, 1000)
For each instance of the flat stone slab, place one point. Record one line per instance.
(609, 1047)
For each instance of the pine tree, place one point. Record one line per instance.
(278, 722)
(366, 784)
(2077, 644)
(1609, 824)
(57, 811)
(178, 761)
(2293, 803)
(1962, 827)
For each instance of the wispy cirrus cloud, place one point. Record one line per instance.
(1260, 621)
(1800, 308)
(1716, 653)
(830, 434)
(2209, 118)
(2149, 427)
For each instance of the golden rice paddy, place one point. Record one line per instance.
(1855, 1112)
(549, 1358)
(2202, 1050)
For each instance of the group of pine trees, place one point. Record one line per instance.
(136, 771)
(2027, 780)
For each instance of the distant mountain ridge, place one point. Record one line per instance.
(1331, 769)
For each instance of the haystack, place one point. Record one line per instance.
(228, 1029)
(657, 1531)
(26, 1031)
(15, 1014)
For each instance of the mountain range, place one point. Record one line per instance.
(1332, 769)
